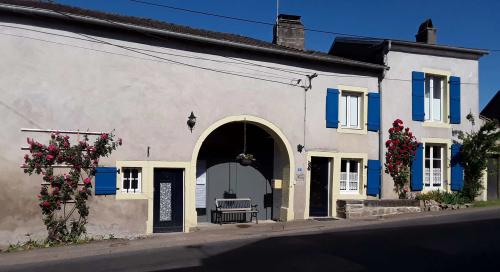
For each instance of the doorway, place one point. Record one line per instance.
(168, 199)
(319, 199)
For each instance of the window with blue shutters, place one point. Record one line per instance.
(332, 108)
(105, 180)
(457, 170)
(455, 114)
(373, 111)
(373, 173)
(417, 169)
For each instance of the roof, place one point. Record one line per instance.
(369, 49)
(121, 22)
(492, 109)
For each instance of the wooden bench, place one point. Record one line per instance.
(235, 206)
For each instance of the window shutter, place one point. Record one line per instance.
(373, 111)
(455, 100)
(417, 170)
(373, 183)
(332, 108)
(417, 93)
(105, 181)
(457, 170)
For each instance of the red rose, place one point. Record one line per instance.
(46, 204)
(120, 141)
(49, 157)
(104, 136)
(52, 148)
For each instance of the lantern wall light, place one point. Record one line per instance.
(191, 121)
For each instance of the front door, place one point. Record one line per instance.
(168, 207)
(320, 186)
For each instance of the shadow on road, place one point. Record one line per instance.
(472, 246)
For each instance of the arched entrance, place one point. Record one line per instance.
(217, 174)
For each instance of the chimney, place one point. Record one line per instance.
(289, 31)
(427, 33)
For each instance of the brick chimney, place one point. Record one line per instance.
(289, 31)
(427, 33)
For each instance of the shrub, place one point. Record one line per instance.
(401, 147)
(70, 189)
(452, 198)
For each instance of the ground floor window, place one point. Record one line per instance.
(349, 176)
(433, 173)
(131, 180)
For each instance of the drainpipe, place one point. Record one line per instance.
(386, 50)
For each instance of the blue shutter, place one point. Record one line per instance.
(455, 100)
(417, 93)
(457, 170)
(105, 181)
(373, 111)
(417, 170)
(373, 183)
(332, 108)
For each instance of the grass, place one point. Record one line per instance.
(489, 203)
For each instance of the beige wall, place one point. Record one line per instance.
(54, 82)
(394, 93)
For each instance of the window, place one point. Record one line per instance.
(350, 105)
(433, 172)
(131, 180)
(349, 176)
(434, 97)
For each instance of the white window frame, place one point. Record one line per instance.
(139, 181)
(429, 104)
(345, 109)
(430, 185)
(348, 190)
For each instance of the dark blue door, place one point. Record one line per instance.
(167, 208)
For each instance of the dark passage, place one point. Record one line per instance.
(318, 205)
(226, 178)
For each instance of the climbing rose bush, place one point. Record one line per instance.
(66, 189)
(401, 147)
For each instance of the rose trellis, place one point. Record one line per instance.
(401, 147)
(67, 171)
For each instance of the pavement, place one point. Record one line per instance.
(427, 240)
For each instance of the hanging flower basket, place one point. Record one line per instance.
(245, 159)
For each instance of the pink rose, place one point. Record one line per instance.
(52, 148)
(49, 157)
(87, 181)
(104, 136)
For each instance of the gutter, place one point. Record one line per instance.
(186, 36)
(480, 52)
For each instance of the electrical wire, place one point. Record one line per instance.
(256, 21)
(178, 62)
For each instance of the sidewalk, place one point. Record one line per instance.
(215, 233)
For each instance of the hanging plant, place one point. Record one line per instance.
(245, 159)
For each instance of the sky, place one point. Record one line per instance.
(463, 23)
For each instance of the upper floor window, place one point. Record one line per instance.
(131, 180)
(433, 172)
(350, 107)
(434, 99)
(349, 176)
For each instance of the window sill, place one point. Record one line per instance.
(125, 195)
(352, 130)
(436, 124)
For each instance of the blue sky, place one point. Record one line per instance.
(465, 23)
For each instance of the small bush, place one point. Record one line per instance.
(445, 197)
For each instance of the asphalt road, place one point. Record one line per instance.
(469, 242)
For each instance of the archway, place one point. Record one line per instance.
(269, 182)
